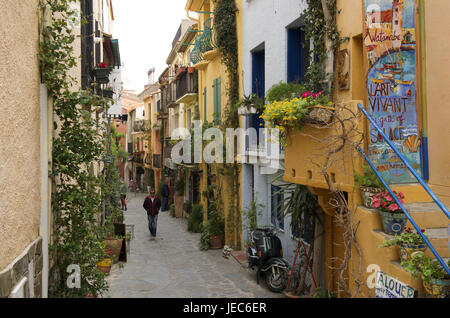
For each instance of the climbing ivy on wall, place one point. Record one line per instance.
(227, 44)
(78, 147)
(319, 30)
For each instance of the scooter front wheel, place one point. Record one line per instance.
(276, 279)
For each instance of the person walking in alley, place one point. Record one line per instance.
(123, 195)
(152, 204)
(165, 192)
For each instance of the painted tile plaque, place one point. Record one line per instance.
(390, 43)
(388, 287)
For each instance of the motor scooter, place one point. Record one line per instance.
(266, 254)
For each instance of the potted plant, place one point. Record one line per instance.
(249, 105)
(392, 216)
(195, 219)
(187, 207)
(294, 113)
(172, 210)
(105, 265)
(213, 231)
(108, 92)
(409, 242)
(101, 73)
(436, 281)
(369, 184)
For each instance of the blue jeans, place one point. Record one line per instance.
(152, 221)
(164, 203)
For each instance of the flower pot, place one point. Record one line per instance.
(246, 110)
(289, 295)
(367, 195)
(393, 223)
(179, 203)
(319, 115)
(101, 75)
(437, 287)
(191, 70)
(406, 251)
(105, 265)
(113, 248)
(215, 242)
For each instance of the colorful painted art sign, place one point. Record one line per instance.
(390, 42)
(388, 287)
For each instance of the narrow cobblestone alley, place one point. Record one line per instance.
(172, 266)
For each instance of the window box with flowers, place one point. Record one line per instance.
(409, 242)
(392, 216)
(101, 73)
(312, 108)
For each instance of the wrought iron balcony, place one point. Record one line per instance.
(204, 42)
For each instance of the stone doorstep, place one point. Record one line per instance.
(240, 257)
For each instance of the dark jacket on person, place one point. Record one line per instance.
(152, 208)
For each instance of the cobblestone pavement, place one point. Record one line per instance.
(172, 266)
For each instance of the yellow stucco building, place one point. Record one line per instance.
(359, 70)
(213, 83)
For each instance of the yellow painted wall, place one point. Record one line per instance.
(437, 83)
(19, 140)
(207, 74)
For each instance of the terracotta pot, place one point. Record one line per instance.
(438, 287)
(393, 223)
(179, 204)
(406, 251)
(367, 195)
(113, 248)
(105, 265)
(191, 70)
(289, 295)
(215, 242)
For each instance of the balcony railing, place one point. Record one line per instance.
(186, 84)
(204, 42)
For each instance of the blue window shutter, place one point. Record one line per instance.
(217, 100)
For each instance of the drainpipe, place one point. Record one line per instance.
(44, 192)
(423, 81)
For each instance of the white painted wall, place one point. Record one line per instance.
(265, 21)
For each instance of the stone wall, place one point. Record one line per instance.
(28, 265)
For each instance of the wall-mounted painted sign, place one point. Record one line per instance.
(388, 287)
(390, 42)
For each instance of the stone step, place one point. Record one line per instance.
(440, 244)
(413, 192)
(427, 215)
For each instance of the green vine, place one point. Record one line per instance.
(318, 29)
(227, 44)
(77, 148)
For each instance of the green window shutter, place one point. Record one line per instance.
(204, 106)
(217, 100)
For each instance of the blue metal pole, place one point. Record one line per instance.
(424, 185)
(439, 258)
